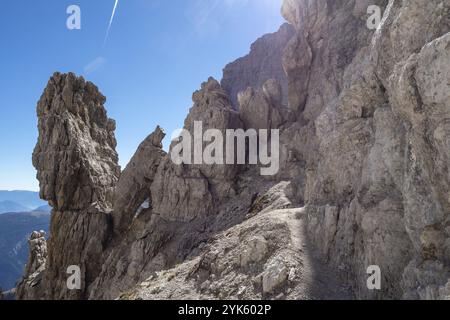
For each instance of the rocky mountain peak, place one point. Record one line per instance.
(363, 183)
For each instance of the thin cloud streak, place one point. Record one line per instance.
(94, 65)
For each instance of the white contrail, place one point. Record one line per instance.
(111, 21)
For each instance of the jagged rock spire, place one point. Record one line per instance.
(133, 188)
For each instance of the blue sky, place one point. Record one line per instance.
(158, 52)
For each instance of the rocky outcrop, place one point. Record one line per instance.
(262, 63)
(372, 192)
(75, 155)
(264, 257)
(133, 188)
(183, 204)
(188, 191)
(77, 169)
(263, 108)
(364, 171)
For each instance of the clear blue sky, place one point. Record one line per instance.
(157, 54)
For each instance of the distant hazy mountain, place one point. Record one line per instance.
(28, 200)
(15, 229)
(45, 208)
(11, 206)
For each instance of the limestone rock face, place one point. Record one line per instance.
(75, 156)
(187, 191)
(186, 203)
(297, 61)
(262, 108)
(376, 187)
(262, 63)
(77, 170)
(133, 187)
(261, 258)
(364, 126)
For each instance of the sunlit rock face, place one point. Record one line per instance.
(364, 172)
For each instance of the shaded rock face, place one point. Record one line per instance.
(31, 283)
(262, 63)
(75, 155)
(376, 192)
(263, 108)
(364, 176)
(263, 257)
(77, 170)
